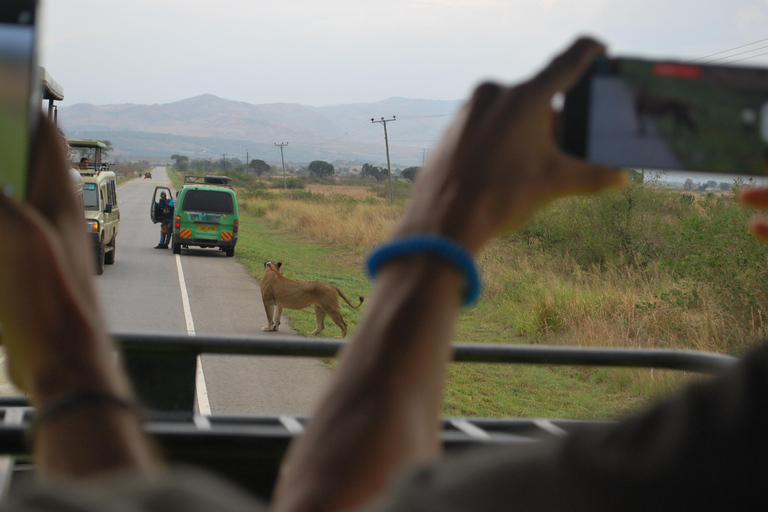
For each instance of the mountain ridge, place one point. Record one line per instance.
(337, 131)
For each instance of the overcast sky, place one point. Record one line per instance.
(328, 52)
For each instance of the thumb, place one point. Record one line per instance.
(563, 72)
(577, 176)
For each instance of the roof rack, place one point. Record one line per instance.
(95, 170)
(86, 144)
(51, 88)
(208, 180)
(52, 92)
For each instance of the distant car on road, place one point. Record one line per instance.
(148, 175)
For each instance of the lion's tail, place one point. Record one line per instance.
(341, 294)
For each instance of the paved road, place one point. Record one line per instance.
(141, 292)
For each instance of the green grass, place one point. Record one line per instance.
(302, 261)
(478, 390)
(534, 391)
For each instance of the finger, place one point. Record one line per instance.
(52, 189)
(576, 176)
(759, 228)
(13, 221)
(483, 98)
(563, 72)
(755, 197)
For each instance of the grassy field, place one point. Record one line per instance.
(646, 267)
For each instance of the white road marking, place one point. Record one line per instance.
(550, 427)
(185, 298)
(201, 391)
(203, 405)
(291, 424)
(201, 422)
(470, 429)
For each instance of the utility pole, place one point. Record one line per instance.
(224, 162)
(423, 155)
(283, 144)
(246, 161)
(386, 142)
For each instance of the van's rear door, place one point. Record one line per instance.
(153, 214)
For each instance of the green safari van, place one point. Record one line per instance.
(206, 214)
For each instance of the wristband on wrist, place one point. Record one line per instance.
(66, 402)
(434, 245)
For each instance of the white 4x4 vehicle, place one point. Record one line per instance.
(102, 215)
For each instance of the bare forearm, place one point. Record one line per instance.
(495, 167)
(54, 335)
(92, 440)
(380, 412)
(88, 437)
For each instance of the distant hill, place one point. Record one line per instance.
(207, 126)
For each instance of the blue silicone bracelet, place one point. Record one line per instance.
(434, 245)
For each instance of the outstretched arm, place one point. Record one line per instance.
(496, 166)
(53, 332)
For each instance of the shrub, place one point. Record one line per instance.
(401, 190)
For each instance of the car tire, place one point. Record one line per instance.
(176, 248)
(100, 256)
(230, 252)
(109, 257)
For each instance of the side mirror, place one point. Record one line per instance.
(108, 208)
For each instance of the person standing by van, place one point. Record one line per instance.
(164, 210)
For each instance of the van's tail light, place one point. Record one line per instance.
(178, 222)
(236, 226)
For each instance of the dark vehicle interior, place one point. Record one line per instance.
(249, 449)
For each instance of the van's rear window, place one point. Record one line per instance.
(90, 196)
(208, 201)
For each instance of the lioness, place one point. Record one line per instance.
(278, 292)
(649, 106)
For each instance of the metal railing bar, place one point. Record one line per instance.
(291, 424)
(201, 422)
(685, 360)
(241, 441)
(471, 430)
(550, 428)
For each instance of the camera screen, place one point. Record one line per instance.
(678, 116)
(16, 57)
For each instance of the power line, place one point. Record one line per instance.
(359, 128)
(746, 58)
(369, 146)
(427, 117)
(729, 50)
(736, 54)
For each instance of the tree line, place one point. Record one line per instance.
(317, 168)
